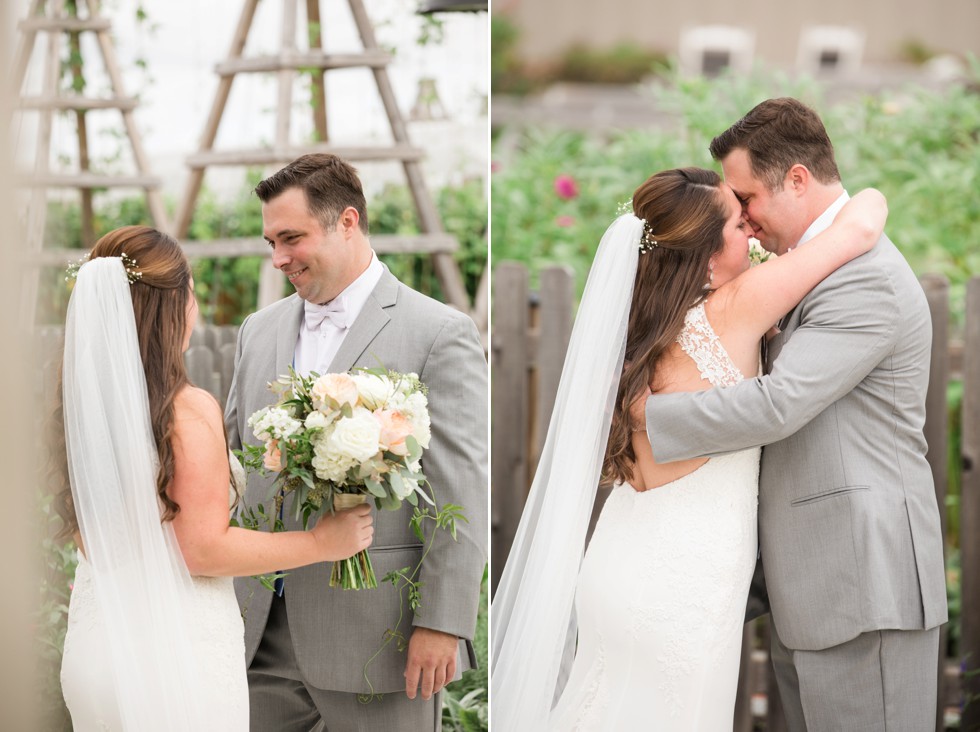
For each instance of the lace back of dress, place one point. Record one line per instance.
(699, 341)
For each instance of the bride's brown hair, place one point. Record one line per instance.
(685, 211)
(160, 298)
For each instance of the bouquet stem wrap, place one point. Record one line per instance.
(356, 572)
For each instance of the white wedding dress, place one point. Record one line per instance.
(217, 636)
(662, 590)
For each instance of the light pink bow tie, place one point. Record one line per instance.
(335, 311)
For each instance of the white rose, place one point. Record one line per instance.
(356, 436)
(375, 391)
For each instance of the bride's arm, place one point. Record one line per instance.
(200, 487)
(760, 296)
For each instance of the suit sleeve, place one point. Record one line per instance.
(847, 328)
(232, 427)
(455, 465)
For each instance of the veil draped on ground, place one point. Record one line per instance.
(533, 625)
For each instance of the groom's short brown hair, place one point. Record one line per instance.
(778, 134)
(330, 184)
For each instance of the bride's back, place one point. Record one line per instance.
(709, 348)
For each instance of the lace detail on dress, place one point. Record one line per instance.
(596, 696)
(699, 341)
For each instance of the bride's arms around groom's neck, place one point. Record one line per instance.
(210, 546)
(760, 296)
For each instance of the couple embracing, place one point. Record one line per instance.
(762, 428)
(156, 640)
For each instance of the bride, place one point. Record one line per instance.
(659, 597)
(155, 636)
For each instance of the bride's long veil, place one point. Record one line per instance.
(532, 619)
(142, 586)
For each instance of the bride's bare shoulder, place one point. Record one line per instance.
(196, 404)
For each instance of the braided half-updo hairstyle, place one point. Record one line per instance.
(160, 298)
(685, 212)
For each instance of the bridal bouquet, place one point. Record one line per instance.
(339, 440)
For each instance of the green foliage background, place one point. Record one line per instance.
(920, 147)
(227, 287)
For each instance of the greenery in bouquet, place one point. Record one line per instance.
(338, 440)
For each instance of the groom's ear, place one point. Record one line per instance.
(798, 179)
(349, 219)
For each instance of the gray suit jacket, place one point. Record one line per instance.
(848, 522)
(335, 631)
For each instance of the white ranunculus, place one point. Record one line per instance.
(375, 391)
(356, 436)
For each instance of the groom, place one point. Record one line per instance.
(307, 645)
(849, 528)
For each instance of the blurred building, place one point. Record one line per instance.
(830, 33)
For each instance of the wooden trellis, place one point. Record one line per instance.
(49, 17)
(285, 64)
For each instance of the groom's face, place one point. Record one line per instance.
(776, 217)
(319, 261)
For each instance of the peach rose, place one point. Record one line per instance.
(339, 387)
(395, 427)
(273, 456)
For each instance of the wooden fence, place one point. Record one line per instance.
(528, 342)
(210, 359)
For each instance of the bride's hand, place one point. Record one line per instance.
(638, 416)
(344, 533)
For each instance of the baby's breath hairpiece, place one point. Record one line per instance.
(72, 272)
(132, 273)
(648, 241)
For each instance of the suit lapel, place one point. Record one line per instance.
(369, 323)
(288, 334)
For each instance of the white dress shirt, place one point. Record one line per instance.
(317, 346)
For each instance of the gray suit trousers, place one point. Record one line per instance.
(282, 700)
(881, 680)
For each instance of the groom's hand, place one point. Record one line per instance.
(431, 659)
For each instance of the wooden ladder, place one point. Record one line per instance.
(49, 16)
(286, 63)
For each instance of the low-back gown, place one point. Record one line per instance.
(216, 629)
(662, 590)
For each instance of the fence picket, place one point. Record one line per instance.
(509, 464)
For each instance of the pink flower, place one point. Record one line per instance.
(273, 456)
(395, 427)
(566, 187)
(494, 166)
(565, 221)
